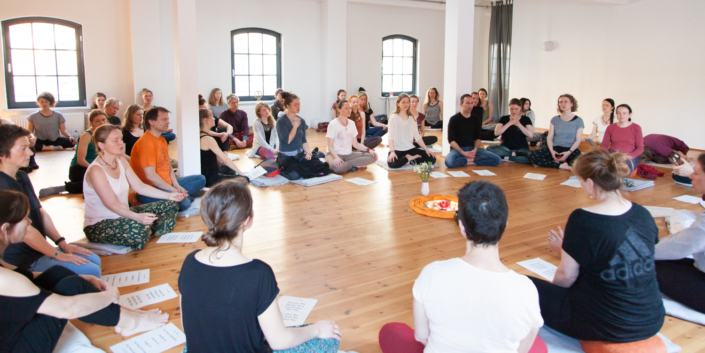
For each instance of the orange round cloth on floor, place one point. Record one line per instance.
(419, 206)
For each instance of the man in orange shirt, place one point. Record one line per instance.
(150, 161)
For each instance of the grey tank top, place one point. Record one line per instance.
(433, 113)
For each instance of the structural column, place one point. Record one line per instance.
(335, 44)
(186, 73)
(457, 74)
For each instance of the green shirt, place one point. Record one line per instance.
(91, 152)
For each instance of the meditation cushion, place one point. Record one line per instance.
(651, 345)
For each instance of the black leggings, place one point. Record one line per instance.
(43, 332)
(438, 125)
(76, 175)
(427, 140)
(224, 146)
(224, 174)
(401, 157)
(682, 179)
(61, 141)
(682, 281)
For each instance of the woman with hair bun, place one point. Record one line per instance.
(624, 136)
(228, 301)
(564, 137)
(605, 287)
(679, 276)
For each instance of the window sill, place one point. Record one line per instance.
(59, 109)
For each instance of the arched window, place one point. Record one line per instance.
(43, 54)
(256, 63)
(398, 65)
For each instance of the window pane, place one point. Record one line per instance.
(21, 36)
(22, 62)
(386, 83)
(255, 64)
(45, 62)
(408, 48)
(240, 43)
(270, 85)
(25, 89)
(398, 66)
(398, 47)
(255, 43)
(68, 88)
(47, 84)
(270, 44)
(241, 66)
(387, 47)
(270, 64)
(242, 85)
(256, 85)
(43, 34)
(408, 66)
(67, 63)
(387, 66)
(408, 83)
(65, 37)
(397, 83)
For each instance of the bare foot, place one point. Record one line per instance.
(556, 240)
(136, 321)
(363, 167)
(411, 158)
(565, 166)
(471, 162)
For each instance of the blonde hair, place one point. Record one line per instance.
(367, 103)
(270, 118)
(128, 124)
(397, 108)
(438, 95)
(211, 98)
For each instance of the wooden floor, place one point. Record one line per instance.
(358, 249)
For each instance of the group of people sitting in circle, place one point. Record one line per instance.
(606, 287)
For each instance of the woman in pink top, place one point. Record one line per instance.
(624, 136)
(108, 217)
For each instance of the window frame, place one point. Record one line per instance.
(277, 36)
(9, 75)
(414, 74)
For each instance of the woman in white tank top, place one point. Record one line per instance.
(108, 218)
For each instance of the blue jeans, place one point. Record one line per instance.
(376, 131)
(192, 184)
(483, 158)
(91, 268)
(169, 136)
(522, 154)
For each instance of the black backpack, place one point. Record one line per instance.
(297, 167)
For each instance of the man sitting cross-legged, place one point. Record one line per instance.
(464, 137)
(150, 161)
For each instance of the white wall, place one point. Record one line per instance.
(481, 42)
(107, 46)
(298, 21)
(647, 54)
(369, 23)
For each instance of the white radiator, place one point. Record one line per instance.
(75, 122)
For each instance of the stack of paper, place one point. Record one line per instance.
(540, 267)
(360, 181)
(459, 174)
(635, 185)
(437, 175)
(535, 176)
(689, 199)
(181, 237)
(484, 172)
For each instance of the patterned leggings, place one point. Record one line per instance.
(126, 232)
(542, 157)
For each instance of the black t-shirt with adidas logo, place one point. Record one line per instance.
(616, 290)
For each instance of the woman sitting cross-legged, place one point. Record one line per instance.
(35, 306)
(266, 139)
(515, 130)
(342, 139)
(624, 136)
(211, 154)
(564, 137)
(228, 301)
(402, 134)
(680, 277)
(108, 218)
(472, 303)
(605, 288)
(420, 121)
(358, 117)
(82, 158)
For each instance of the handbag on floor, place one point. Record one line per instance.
(298, 166)
(322, 127)
(271, 166)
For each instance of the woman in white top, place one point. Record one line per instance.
(108, 217)
(341, 138)
(680, 277)
(600, 124)
(402, 134)
(216, 102)
(266, 138)
(472, 303)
